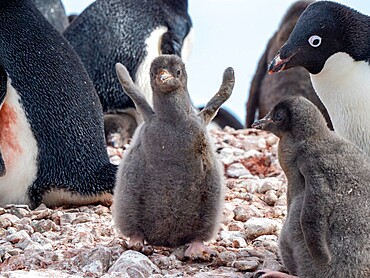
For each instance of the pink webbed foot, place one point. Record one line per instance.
(266, 273)
(198, 251)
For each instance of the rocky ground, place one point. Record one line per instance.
(81, 242)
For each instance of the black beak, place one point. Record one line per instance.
(261, 124)
(278, 64)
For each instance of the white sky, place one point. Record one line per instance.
(228, 33)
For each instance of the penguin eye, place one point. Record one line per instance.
(315, 41)
(178, 72)
(279, 116)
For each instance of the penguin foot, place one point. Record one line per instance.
(198, 251)
(266, 273)
(136, 243)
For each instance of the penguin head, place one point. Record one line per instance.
(296, 116)
(321, 31)
(167, 74)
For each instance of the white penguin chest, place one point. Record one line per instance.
(343, 86)
(153, 50)
(18, 147)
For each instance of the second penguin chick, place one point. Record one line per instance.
(327, 231)
(169, 185)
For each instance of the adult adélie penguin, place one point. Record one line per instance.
(332, 42)
(51, 121)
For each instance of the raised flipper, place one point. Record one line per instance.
(133, 92)
(210, 111)
(3, 86)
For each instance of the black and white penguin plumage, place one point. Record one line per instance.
(267, 90)
(169, 185)
(327, 230)
(130, 32)
(332, 42)
(51, 120)
(54, 12)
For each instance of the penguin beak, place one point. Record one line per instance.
(165, 76)
(262, 123)
(278, 64)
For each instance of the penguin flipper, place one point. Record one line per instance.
(171, 44)
(210, 111)
(173, 40)
(3, 87)
(133, 92)
(316, 210)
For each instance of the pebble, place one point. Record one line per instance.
(95, 262)
(270, 197)
(134, 264)
(8, 220)
(256, 227)
(270, 184)
(67, 218)
(18, 236)
(250, 264)
(237, 170)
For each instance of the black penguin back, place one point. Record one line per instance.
(111, 31)
(59, 100)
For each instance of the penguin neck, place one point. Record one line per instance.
(172, 107)
(356, 34)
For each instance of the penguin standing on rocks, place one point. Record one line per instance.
(327, 230)
(133, 33)
(267, 90)
(51, 120)
(169, 184)
(54, 12)
(332, 42)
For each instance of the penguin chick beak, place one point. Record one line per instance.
(278, 64)
(165, 76)
(262, 123)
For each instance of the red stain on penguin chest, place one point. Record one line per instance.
(9, 146)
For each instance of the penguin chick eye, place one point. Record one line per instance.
(315, 41)
(178, 72)
(279, 116)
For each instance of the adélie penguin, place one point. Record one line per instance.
(332, 42)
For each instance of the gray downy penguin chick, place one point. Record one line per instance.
(54, 12)
(267, 90)
(169, 184)
(332, 42)
(327, 229)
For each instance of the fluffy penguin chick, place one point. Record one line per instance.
(332, 42)
(327, 230)
(169, 184)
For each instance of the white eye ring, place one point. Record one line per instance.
(315, 41)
